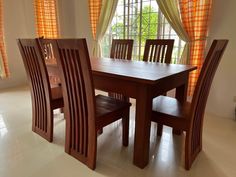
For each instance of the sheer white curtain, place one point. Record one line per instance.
(106, 15)
(170, 9)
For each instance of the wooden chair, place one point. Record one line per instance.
(189, 116)
(85, 113)
(44, 98)
(158, 50)
(121, 49)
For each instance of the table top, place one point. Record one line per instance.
(147, 72)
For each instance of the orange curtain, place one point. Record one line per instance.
(195, 17)
(94, 12)
(46, 18)
(4, 70)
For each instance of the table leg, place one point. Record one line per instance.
(142, 127)
(181, 93)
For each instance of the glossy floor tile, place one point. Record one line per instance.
(25, 154)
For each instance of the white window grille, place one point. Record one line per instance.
(140, 20)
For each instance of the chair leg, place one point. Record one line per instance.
(192, 149)
(92, 153)
(125, 128)
(159, 129)
(188, 162)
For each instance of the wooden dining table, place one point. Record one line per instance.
(142, 81)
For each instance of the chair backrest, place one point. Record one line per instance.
(47, 50)
(39, 84)
(121, 48)
(202, 90)
(46, 46)
(158, 50)
(79, 97)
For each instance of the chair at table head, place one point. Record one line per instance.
(158, 50)
(121, 48)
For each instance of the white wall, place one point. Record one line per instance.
(66, 12)
(83, 22)
(17, 23)
(220, 101)
(74, 20)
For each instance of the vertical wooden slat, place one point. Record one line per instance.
(79, 102)
(34, 69)
(151, 52)
(158, 48)
(163, 54)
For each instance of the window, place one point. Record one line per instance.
(46, 18)
(140, 20)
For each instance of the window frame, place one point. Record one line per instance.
(161, 24)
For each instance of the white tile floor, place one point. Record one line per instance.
(25, 154)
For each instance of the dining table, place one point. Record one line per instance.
(142, 81)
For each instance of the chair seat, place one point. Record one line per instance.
(109, 110)
(107, 105)
(169, 111)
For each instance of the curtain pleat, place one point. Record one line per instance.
(195, 16)
(170, 9)
(94, 13)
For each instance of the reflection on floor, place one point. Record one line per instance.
(25, 154)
